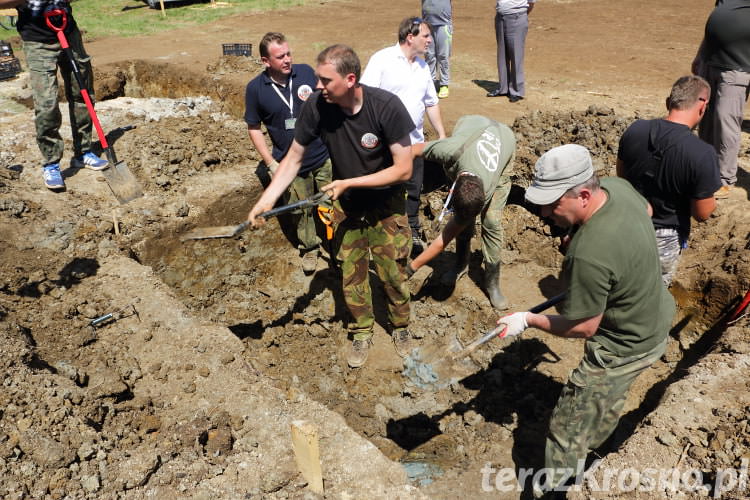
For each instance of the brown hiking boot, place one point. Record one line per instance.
(402, 341)
(358, 353)
(310, 261)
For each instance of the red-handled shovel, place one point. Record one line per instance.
(119, 178)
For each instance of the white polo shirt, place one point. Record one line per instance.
(389, 69)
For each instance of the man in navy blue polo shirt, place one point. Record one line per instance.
(274, 98)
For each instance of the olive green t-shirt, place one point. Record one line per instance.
(612, 267)
(478, 145)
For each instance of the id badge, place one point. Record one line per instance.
(289, 123)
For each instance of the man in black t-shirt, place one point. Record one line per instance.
(367, 132)
(672, 168)
(44, 56)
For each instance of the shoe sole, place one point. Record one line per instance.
(90, 167)
(54, 188)
(354, 364)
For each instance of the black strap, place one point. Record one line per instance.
(643, 174)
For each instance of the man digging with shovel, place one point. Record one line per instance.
(615, 300)
(476, 156)
(366, 131)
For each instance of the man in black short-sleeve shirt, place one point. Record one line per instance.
(366, 131)
(672, 168)
(274, 98)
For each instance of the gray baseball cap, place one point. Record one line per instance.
(558, 170)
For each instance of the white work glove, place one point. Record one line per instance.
(514, 323)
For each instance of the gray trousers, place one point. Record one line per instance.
(510, 32)
(722, 124)
(438, 53)
(43, 60)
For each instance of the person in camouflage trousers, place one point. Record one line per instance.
(615, 300)
(367, 133)
(382, 234)
(44, 56)
(589, 406)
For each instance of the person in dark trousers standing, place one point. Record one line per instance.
(511, 28)
(724, 60)
(275, 98)
(44, 56)
(672, 168)
(439, 15)
(366, 131)
(615, 300)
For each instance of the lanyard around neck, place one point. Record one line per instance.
(289, 104)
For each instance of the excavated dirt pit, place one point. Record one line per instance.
(197, 171)
(293, 326)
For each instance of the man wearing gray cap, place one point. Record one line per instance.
(615, 300)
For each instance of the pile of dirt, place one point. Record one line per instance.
(235, 64)
(597, 128)
(93, 412)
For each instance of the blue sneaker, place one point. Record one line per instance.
(52, 177)
(90, 161)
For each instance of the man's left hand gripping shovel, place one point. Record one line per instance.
(231, 231)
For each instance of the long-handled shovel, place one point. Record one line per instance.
(231, 231)
(440, 366)
(119, 178)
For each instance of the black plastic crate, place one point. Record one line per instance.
(5, 49)
(9, 67)
(237, 49)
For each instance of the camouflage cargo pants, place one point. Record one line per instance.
(43, 60)
(300, 189)
(383, 236)
(669, 245)
(589, 408)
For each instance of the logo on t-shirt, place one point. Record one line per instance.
(488, 150)
(370, 140)
(304, 92)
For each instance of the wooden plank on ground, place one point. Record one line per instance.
(307, 453)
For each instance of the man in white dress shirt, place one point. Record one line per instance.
(402, 70)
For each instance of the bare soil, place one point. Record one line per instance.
(216, 346)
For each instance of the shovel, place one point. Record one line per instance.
(119, 178)
(441, 366)
(202, 233)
